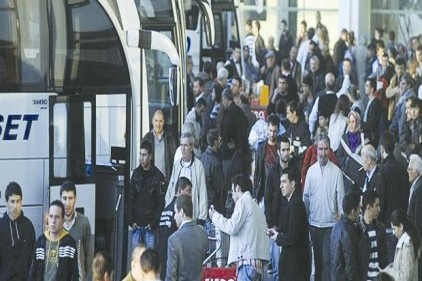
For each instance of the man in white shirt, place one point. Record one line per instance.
(323, 197)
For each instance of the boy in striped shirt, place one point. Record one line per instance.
(373, 241)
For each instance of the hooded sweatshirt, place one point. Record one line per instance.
(17, 242)
(63, 255)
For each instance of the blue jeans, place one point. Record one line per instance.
(144, 236)
(275, 257)
(246, 273)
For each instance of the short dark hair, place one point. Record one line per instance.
(150, 261)
(294, 107)
(238, 79)
(307, 80)
(388, 141)
(13, 188)
(274, 120)
(284, 77)
(372, 83)
(414, 102)
(243, 182)
(371, 47)
(185, 202)
(380, 31)
(212, 136)
(409, 80)
(350, 202)
(347, 59)
(285, 64)
(147, 145)
(182, 183)
(208, 67)
(59, 204)
(369, 198)
(200, 80)
(400, 61)
(283, 139)
(201, 102)
(284, 21)
(101, 265)
(290, 173)
(68, 186)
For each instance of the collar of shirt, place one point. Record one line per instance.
(199, 96)
(66, 226)
(369, 174)
(157, 136)
(184, 223)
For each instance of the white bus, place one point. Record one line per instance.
(168, 18)
(78, 82)
(225, 16)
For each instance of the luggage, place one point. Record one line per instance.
(219, 242)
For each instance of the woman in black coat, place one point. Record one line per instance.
(295, 259)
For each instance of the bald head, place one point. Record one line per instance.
(137, 252)
(330, 80)
(158, 122)
(135, 265)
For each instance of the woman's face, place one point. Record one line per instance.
(397, 230)
(352, 124)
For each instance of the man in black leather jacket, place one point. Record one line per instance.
(345, 242)
(146, 198)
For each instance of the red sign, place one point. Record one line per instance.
(219, 274)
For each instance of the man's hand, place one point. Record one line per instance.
(135, 226)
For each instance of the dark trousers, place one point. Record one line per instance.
(321, 238)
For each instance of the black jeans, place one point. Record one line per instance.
(321, 238)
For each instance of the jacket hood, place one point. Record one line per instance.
(62, 234)
(7, 218)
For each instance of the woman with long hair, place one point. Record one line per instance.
(405, 264)
(338, 121)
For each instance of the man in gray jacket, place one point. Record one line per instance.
(79, 228)
(188, 246)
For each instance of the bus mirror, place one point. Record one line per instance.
(173, 78)
(206, 11)
(153, 40)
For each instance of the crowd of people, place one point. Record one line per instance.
(331, 177)
(335, 170)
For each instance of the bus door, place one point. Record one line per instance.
(87, 145)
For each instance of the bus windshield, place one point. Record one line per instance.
(155, 11)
